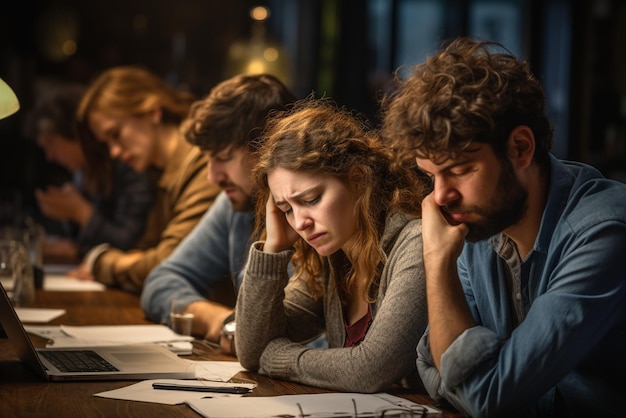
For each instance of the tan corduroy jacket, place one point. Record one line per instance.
(183, 195)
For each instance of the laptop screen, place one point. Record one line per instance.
(13, 328)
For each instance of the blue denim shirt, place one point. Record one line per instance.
(568, 355)
(214, 251)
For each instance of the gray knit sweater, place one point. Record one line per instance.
(276, 317)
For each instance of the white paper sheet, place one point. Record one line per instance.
(51, 332)
(58, 338)
(61, 283)
(220, 371)
(84, 336)
(124, 334)
(287, 405)
(56, 280)
(38, 315)
(143, 392)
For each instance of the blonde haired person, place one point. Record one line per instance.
(344, 210)
(86, 216)
(137, 115)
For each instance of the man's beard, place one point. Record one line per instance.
(507, 208)
(245, 204)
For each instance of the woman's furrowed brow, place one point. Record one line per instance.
(297, 195)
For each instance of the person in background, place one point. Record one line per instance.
(523, 252)
(88, 216)
(336, 203)
(225, 125)
(137, 115)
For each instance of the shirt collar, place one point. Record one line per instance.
(561, 180)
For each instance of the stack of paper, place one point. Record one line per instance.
(84, 336)
(321, 404)
(216, 373)
(57, 280)
(38, 315)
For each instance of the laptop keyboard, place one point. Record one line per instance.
(78, 361)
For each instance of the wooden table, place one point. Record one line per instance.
(23, 394)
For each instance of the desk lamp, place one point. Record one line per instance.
(8, 100)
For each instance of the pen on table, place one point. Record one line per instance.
(238, 390)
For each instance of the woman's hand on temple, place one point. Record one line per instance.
(280, 235)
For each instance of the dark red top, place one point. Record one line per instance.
(356, 332)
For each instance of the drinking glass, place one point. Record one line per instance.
(32, 235)
(16, 273)
(180, 320)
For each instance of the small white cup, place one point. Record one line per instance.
(180, 320)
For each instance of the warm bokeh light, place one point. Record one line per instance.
(57, 32)
(259, 53)
(69, 47)
(270, 54)
(260, 13)
(255, 66)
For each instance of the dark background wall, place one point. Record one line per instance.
(346, 49)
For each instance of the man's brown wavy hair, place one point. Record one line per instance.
(234, 112)
(471, 92)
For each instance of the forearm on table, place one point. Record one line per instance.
(262, 288)
(126, 270)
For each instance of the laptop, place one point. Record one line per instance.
(121, 362)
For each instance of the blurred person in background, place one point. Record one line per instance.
(137, 115)
(209, 263)
(88, 216)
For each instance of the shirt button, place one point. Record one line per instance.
(518, 296)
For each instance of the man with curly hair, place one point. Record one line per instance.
(208, 264)
(523, 252)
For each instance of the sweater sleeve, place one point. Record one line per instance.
(385, 356)
(260, 312)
